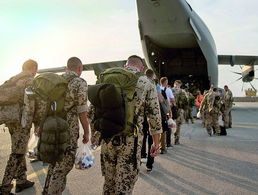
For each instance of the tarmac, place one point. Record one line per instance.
(199, 165)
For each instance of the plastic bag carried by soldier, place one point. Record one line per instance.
(84, 158)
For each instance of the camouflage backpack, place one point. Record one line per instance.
(191, 100)
(54, 134)
(112, 100)
(11, 98)
(12, 91)
(181, 99)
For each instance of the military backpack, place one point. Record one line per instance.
(181, 99)
(54, 133)
(11, 98)
(112, 98)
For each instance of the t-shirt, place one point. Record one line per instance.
(158, 88)
(169, 93)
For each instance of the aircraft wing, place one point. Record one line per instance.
(97, 67)
(238, 60)
(100, 67)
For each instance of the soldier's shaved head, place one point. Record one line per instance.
(30, 66)
(73, 63)
(149, 73)
(135, 62)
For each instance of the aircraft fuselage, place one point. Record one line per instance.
(176, 43)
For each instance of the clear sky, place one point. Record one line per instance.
(51, 31)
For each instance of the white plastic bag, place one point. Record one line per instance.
(171, 123)
(198, 114)
(84, 158)
(32, 146)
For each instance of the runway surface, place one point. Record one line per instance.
(199, 165)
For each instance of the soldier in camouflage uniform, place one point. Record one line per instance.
(191, 103)
(181, 104)
(214, 105)
(119, 165)
(16, 165)
(76, 107)
(204, 108)
(227, 101)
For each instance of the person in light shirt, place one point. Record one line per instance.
(168, 95)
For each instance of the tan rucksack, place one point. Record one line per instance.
(11, 98)
(12, 92)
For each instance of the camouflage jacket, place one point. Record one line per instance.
(146, 99)
(214, 102)
(228, 99)
(204, 103)
(181, 98)
(191, 99)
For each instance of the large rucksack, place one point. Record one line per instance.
(112, 100)
(11, 98)
(54, 134)
(191, 100)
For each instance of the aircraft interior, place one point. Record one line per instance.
(187, 64)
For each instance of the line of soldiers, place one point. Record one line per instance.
(119, 168)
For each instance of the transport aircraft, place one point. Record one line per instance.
(177, 44)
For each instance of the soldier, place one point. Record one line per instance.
(75, 107)
(204, 108)
(191, 103)
(181, 103)
(146, 137)
(169, 97)
(16, 165)
(214, 105)
(119, 168)
(227, 104)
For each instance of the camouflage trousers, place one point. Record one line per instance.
(212, 121)
(204, 117)
(179, 121)
(188, 114)
(56, 177)
(227, 118)
(120, 165)
(163, 141)
(16, 165)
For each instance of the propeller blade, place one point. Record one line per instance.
(252, 86)
(238, 79)
(237, 72)
(240, 67)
